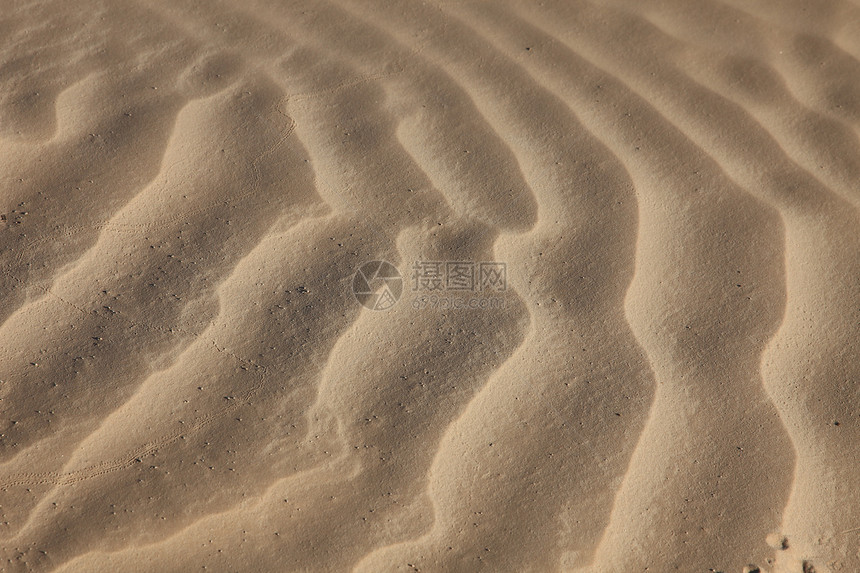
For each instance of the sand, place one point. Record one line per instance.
(616, 325)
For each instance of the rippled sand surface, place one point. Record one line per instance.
(667, 378)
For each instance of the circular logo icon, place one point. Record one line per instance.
(377, 285)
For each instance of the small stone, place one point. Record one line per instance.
(777, 541)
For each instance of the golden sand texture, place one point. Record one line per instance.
(670, 380)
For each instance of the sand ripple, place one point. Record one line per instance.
(186, 380)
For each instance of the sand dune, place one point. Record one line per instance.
(653, 365)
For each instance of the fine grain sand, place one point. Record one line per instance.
(668, 381)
